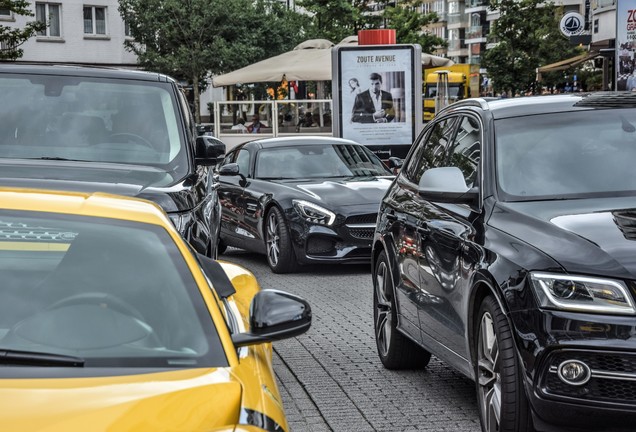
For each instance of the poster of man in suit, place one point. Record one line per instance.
(376, 89)
(373, 105)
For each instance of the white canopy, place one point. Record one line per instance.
(308, 61)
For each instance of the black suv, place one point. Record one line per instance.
(112, 130)
(506, 247)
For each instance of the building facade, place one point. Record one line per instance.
(77, 32)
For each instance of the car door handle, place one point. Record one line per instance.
(423, 229)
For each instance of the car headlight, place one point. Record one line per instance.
(181, 221)
(314, 213)
(582, 294)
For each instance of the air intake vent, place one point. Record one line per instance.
(626, 221)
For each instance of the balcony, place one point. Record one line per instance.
(476, 3)
(454, 45)
(455, 18)
(600, 4)
(474, 32)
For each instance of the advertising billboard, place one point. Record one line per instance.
(377, 93)
(625, 45)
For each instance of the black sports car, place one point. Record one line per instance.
(301, 200)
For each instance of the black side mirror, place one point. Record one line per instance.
(395, 162)
(275, 315)
(447, 185)
(209, 150)
(231, 169)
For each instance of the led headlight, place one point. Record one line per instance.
(314, 213)
(582, 294)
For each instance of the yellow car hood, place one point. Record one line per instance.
(186, 400)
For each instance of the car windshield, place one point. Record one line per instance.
(566, 155)
(116, 294)
(89, 119)
(318, 161)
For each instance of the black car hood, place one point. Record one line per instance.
(120, 179)
(342, 192)
(591, 236)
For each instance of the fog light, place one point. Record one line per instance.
(574, 372)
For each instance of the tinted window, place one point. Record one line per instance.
(118, 294)
(431, 151)
(566, 154)
(465, 150)
(243, 161)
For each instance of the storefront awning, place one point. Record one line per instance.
(566, 64)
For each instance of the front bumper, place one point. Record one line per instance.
(348, 242)
(606, 344)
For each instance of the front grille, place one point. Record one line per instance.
(597, 389)
(362, 226)
(370, 218)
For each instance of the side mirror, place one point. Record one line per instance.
(275, 315)
(231, 169)
(447, 185)
(209, 150)
(395, 162)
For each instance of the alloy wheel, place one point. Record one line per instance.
(273, 239)
(383, 325)
(489, 374)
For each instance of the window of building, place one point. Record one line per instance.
(49, 13)
(94, 20)
(127, 29)
(5, 12)
(596, 25)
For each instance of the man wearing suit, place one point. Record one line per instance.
(374, 105)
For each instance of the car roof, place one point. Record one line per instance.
(300, 140)
(97, 204)
(83, 71)
(531, 105)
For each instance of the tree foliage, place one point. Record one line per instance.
(13, 37)
(408, 23)
(527, 36)
(189, 39)
(334, 20)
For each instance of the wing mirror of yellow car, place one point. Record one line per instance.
(275, 315)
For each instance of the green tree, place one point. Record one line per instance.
(527, 36)
(13, 38)
(334, 20)
(408, 23)
(189, 39)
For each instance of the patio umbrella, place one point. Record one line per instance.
(308, 61)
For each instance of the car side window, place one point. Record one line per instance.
(432, 150)
(464, 151)
(243, 161)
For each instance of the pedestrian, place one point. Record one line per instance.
(240, 126)
(256, 125)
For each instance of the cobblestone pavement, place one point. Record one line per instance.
(331, 378)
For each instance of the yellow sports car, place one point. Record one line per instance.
(110, 322)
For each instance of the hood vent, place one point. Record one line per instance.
(626, 222)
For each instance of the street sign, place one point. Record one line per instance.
(572, 24)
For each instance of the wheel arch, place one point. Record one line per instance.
(483, 285)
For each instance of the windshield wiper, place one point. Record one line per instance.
(30, 358)
(55, 158)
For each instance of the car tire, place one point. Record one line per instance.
(395, 350)
(503, 405)
(278, 246)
